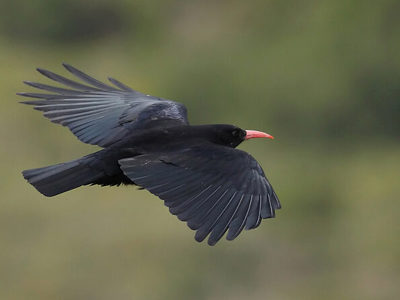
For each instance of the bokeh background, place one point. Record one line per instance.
(322, 76)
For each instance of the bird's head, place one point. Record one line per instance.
(232, 136)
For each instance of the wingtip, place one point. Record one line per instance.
(23, 94)
(42, 71)
(231, 235)
(230, 238)
(199, 237)
(211, 242)
(120, 84)
(67, 66)
(28, 103)
(31, 83)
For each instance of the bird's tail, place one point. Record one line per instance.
(59, 178)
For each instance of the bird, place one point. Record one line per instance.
(147, 141)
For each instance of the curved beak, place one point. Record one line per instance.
(250, 134)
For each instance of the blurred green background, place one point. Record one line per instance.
(323, 77)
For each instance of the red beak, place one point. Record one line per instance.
(250, 134)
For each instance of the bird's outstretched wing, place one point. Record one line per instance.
(98, 113)
(212, 188)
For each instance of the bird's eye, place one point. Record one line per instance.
(235, 133)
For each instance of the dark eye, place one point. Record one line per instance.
(235, 133)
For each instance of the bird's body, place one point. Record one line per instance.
(148, 142)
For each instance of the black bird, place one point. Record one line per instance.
(147, 141)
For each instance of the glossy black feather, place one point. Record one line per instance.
(120, 85)
(220, 188)
(148, 142)
(103, 113)
(88, 79)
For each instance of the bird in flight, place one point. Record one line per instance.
(147, 141)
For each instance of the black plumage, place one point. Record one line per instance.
(148, 142)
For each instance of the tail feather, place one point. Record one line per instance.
(56, 179)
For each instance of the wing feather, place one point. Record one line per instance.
(214, 189)
(98, 113)
(239, 221)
